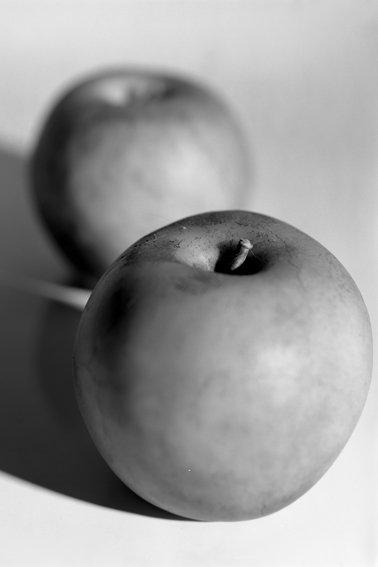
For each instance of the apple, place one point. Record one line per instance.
(222, 363)
(126, 151)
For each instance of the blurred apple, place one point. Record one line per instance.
(222, 363)
(127, 151)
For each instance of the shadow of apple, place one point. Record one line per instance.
(77, 468)
(43, 438)
(24, 245)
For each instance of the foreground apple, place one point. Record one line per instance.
(126, 151)
(222, 363)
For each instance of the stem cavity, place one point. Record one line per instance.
(244, 246)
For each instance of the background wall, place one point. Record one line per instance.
(301, 75)
(303, 78)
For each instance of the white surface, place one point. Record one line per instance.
(42, 528)
(303, 78)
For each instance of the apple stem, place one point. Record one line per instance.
(244, 246)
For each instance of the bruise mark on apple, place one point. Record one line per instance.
(112, 317)
(110, 321)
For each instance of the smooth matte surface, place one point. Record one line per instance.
(303, 79)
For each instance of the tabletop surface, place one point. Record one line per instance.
(313, 128)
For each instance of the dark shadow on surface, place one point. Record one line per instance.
(86, 475)
(24, 243)
(43, 439)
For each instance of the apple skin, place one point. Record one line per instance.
(219, 396)
(126, 151)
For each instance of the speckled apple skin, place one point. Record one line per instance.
(127, 151)
(220, 396)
